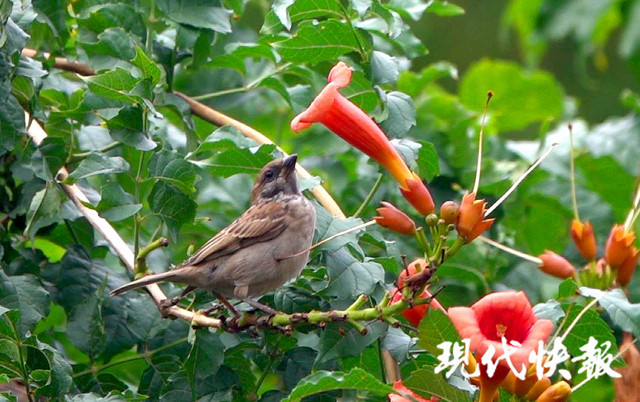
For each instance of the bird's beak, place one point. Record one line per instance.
(290, 163)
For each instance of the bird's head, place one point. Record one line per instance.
(277, 177)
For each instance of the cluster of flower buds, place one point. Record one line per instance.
(534, 389)
(620, 257)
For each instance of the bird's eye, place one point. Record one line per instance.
(269, 174)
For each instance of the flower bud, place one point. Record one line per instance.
(626, 270)
(556, 265)
(583, 237)
(471, 223)
(432, 220)
(558, 392)
(619, 245)
(394, 219)
(418, 195)
(449, 211)
(538, 388)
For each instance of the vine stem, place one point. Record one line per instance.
(574, 197)
(476, 182)
(369, 197)
(520, 180)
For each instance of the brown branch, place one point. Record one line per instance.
(117, 244)
(62, 63)
(220, 119)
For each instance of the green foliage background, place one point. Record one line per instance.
(151, 169)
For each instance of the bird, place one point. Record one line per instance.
(258, 252)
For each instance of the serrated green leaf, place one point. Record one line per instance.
(401, 114)
(127, 127)
(173, 206)
(322, 381)
(283, 13)
(24, 294)
(435, 328)
(323, 41)
(384, 68)
(624, 314)
(115, 85)
(197, 13)
(426, 382)
(590, 324)
(97, 163)
(149, 69)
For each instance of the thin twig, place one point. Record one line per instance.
(510, 250)
(476, 183)
(519, 180)
(367, 200)
(574, 197)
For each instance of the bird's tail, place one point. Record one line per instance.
(169, 276)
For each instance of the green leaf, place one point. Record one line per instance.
(115, 84)
(24, 294)
(322, 381)
(426, 382)
(624, 314)
(173, 206)
(550, 310)
(205, 358)
(127, 127)
(49, 157)
(334, 343)
(115, 204)
(237, 160)
(401, 114)
(590, 325)
(568, 288)
(284, 12)
(179, 173)
(384, 68)
(86, 328)
(349, 277)
(435, 328)
(197, 13)
(443, 8)
(519, 99)
(99, 164)
(149, 69)
(60, 382)
(45, 204)
(11, 116)
(323, 41)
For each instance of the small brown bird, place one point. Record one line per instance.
(258, 252)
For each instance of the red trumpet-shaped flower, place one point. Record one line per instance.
(583, 237)
(619, 245)
(353, 125)
(394, 219)
(499, 315)
(556, 265)
(471, 222)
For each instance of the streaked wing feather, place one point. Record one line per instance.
(259, 223)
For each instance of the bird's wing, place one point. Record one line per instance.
(259, 223)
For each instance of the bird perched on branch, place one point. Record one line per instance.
(258, 252)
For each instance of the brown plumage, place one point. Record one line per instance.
(253, 255)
